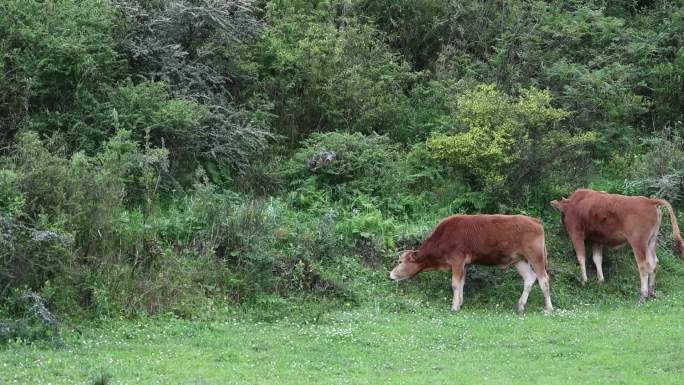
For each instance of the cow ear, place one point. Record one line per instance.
(557, 205)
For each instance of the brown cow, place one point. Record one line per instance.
(495, 240)
(613, 220)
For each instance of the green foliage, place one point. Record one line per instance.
(324, 76)
(149, 107)
(151, 114)
(412, 27)
(359, 164)
(77, 197)
(502, 138)
(370, 224)
(668, 87)
(186, 52)
(12, 200)
(175, 156)
(32, 321)
(659, 170)
(423, 30)
(59, 57)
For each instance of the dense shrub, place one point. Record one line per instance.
(61, 56)
(185, 51)
(76, 197)
(326, 76)
(502, 141)
(420, 30)
(660, 170)
(344, 166)
(31, 319)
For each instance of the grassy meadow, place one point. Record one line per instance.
(402, 333)
(616, 344)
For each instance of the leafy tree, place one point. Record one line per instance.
(327, 74)
(500, 140)
(190, 46)
(58, 56)
(347, 165)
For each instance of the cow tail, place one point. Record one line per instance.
(679, 243)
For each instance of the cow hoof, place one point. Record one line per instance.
(600, 281)
(455, 309)
(548, 311)
(521, 308)
(641, 301)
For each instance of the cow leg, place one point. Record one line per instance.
(538, 263)
(651, 285)
(457, 283)
(597, 255)
(653, 259)
(544, 284)
(643, 293)
(528, 277)
(646, 268)
(578, 244)
(460, 289)
(543, 279)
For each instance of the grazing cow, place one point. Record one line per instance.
(494, 240)
(613, 220)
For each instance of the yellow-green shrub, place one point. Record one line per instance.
(496, 138)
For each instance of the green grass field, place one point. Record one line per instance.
(592, 344)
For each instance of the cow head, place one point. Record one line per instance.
(408, 266)
(560, 206)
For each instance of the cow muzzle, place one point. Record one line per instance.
(394, 277)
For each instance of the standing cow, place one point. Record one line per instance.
(495, 240)
(613, 220)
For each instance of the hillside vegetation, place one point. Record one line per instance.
(180, 158)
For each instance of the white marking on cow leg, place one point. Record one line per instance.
(544, 284)
(597, 255)
(528, 277)
(457, 280)
(460, 289)
(456, 302)
(653, 259)
(643, 274)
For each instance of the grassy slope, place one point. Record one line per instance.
(588, 344)
(399, 333)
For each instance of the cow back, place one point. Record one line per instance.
(608, 219)
(484, 239)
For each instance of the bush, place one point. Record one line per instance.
(30, 257)
(31, 319)
(62, 57)
(660, 170)
(344, 166)
(12, 200)
(325, 74)
(77, 198)
(500, 141)
(186, 52)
